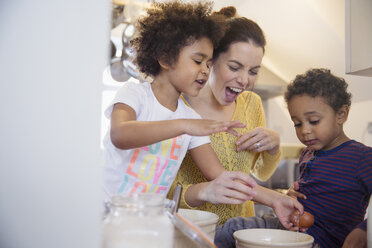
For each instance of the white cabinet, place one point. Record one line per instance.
(358, 37)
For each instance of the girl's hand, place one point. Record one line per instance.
(258, 140)
(293, 192)
(231, 187)
(204, 127)
(283, 207)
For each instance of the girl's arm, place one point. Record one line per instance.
(126, 132)
(283, 205)
(206, 160)
(227, 188)
(233, 187)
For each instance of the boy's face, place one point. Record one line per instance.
(191, 71)
(317, 125)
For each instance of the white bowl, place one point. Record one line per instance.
(206, 221)
(263, 238)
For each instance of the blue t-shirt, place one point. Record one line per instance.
(338, 185)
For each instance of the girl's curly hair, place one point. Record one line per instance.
(322, 83)
(170, 26)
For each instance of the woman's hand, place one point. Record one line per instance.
(231, 187)
(293, 192)
(258, 140)
(204, 127)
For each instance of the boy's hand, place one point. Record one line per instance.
(293, 192)
(204, 127)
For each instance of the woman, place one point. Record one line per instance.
(228, 96)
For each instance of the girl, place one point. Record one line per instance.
(151, 128)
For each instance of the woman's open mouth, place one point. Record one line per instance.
(232, 93)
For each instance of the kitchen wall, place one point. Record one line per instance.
(310, 34)
(357, 127)
(52, 54)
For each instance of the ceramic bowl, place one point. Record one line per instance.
(206, 221)
(264, 238)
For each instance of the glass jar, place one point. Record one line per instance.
(137, 221)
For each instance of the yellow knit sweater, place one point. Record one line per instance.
(248, 110)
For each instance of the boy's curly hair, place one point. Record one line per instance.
(170, 26)
(320, 82)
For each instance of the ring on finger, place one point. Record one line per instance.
(258, 145)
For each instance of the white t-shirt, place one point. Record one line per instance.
(152, 168)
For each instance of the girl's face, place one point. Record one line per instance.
(235, 71)
(317, 125)
(190, 73)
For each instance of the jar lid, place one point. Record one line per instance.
(191, 231)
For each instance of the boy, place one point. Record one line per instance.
(335, 171)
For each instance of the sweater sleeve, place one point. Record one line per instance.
(266, 164)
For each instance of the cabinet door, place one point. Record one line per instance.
(358, 40)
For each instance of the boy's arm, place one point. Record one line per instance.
(126, 132)
(356, 238)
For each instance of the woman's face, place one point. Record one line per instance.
(235, 71)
